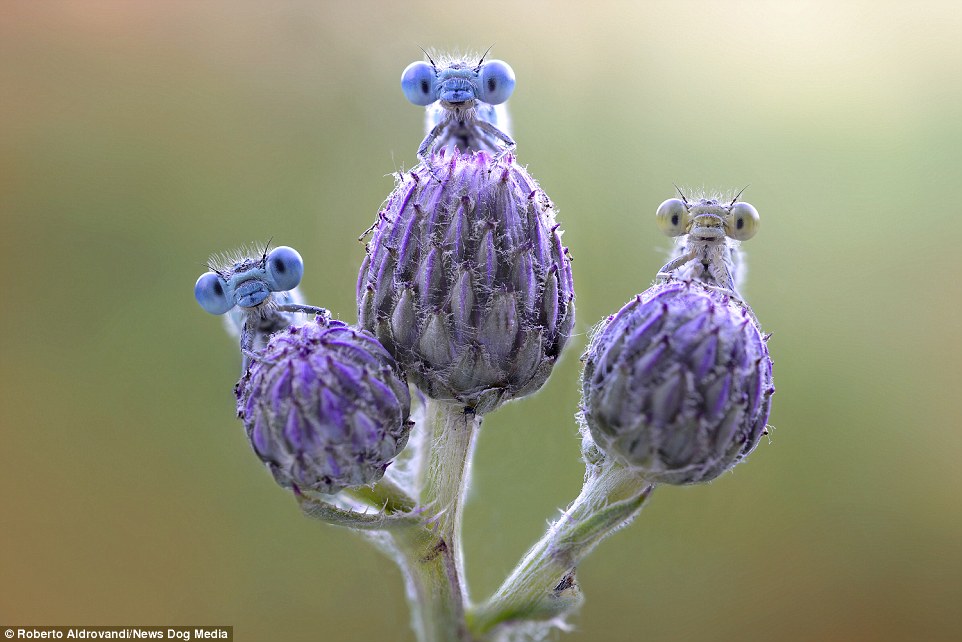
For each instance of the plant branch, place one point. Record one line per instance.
(448, 474)
(430, 556)
(543, 586)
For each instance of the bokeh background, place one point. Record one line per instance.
(137, 137)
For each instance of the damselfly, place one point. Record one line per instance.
(710, 232)
(465, 104)
(259, 291)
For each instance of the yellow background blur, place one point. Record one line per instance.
(138, 137)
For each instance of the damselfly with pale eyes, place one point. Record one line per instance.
(710, 231)
(465, 104)
(258, 289)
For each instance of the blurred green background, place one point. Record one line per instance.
(138, 137)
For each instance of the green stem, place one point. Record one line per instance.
(430, 557)
(448, 474)
(433, 587)
(542, 587)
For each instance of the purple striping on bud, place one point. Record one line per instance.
(325, 407)
(466, 282)
(678, 383)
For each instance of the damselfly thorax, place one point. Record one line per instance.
(459, 129)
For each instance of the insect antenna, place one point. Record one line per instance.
(264, 254)
(682, 194)
(483, 56)
(738, 194)
(430, 59)
(211, 268)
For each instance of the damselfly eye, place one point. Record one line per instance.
(417, 83)
(497, 82)
(672, 217)
(209, 292)
(284, 268)
(742, 222)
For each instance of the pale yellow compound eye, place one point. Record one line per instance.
(672, 217)
(742, 222)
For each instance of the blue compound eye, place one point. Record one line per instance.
(417, 83)
(284, 268)
(209, 292)
(497, 82)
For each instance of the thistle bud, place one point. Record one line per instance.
(678, 383)
(325, 407)
(466, 282)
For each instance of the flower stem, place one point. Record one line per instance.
(542, 586)
(430, 556)
(433, 586)
(448, 474)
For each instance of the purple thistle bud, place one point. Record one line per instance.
(678, 383)
(325, 407)
(466, 282)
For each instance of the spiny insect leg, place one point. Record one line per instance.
(428, 143)
(676, 263)
(721, 273)
(247, 344)
(509, 144)
(309, 309)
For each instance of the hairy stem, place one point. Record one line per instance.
(542, 586)
(433, 587)
(430, 556)
(448, 474)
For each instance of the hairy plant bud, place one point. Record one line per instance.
(678, 383)
(466, 282)
(325, 407)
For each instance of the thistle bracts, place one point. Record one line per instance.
(325, 407)
(678, 383)
(466, 282)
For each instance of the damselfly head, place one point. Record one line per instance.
(247, 278)
(707, 218)
(458, 82)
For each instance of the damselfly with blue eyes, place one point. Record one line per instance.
(465, 104)
(259, 290)
(710, 232)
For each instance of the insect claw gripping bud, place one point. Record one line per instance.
(466, 282)
(678, 383)
(325, 407)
